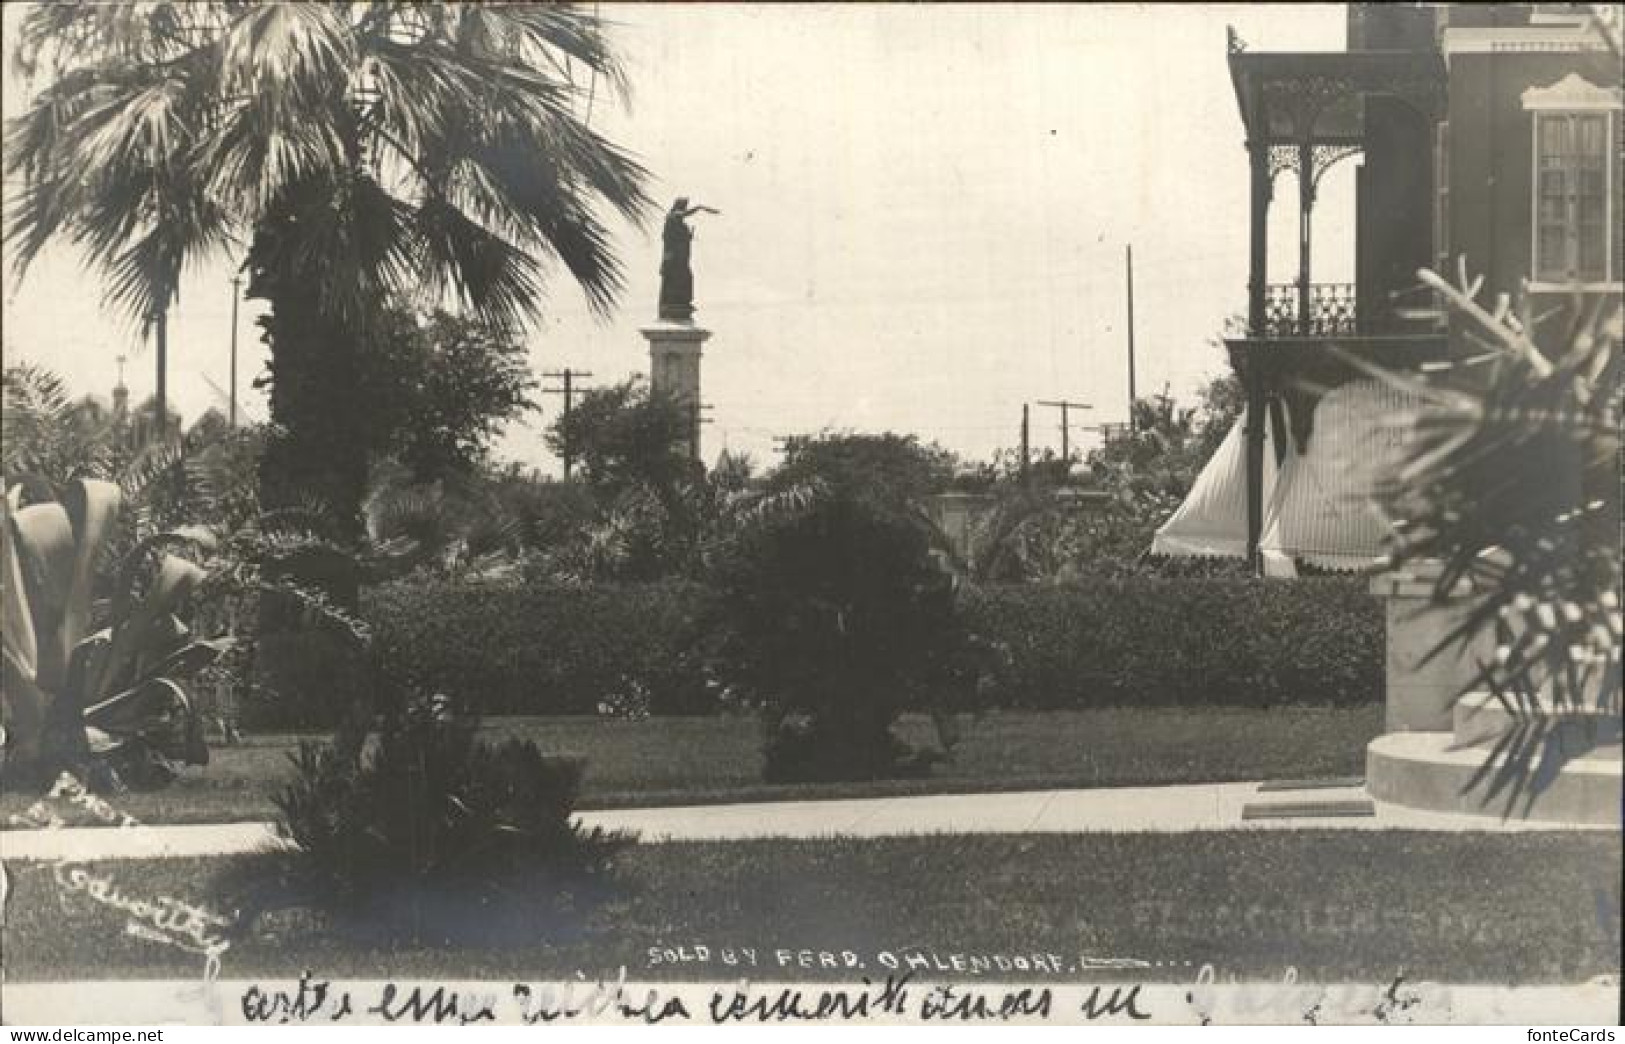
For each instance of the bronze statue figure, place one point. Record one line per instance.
(676, 276)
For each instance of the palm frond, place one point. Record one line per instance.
(389, 146)
(1514, 487)
(496, 278)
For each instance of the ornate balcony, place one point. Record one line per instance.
(1333, 311)
(1336, 313)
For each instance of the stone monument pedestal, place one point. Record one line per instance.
(675, 347)
(1423, 684)
(1438, 741)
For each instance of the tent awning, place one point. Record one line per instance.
(1318, 504)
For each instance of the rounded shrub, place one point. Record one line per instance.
(838, 618)
(433, 834)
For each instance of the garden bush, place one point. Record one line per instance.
(507, 647)
(1185, 642)
(837, 620)
(435, 836)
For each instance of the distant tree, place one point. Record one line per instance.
(733, 472)
(887, 470)
(626, 437)
(1219, 405)
(546, 513)
(442, 388)
(1045, 469)
(143, 430)
(211, 424)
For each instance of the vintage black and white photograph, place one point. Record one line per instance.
(811, 514)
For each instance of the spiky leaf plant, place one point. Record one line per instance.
(1513, 485)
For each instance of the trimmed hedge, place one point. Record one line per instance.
(1167, 641)
(503, 647)
(516, 649)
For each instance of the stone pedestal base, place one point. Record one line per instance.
(674, 368)
(1422, 679)
(1445, 771)
(1438, 741)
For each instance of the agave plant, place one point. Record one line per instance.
(108, 704)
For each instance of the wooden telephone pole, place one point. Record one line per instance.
(1026, 444)
(567, 377)
(1066, 422)
(1128, 258)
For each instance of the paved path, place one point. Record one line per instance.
(1174, 809)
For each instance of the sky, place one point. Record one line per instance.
(924, 217)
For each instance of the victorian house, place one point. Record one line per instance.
(1486, 142)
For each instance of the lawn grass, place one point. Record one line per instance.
(675, 761)
(1337, 906)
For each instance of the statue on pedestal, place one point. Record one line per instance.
(676, 277)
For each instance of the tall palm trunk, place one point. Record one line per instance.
(318, 449)
(315, 456)
(317, 453)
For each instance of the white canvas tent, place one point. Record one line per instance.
(1318, 505)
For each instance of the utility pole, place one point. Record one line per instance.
(236, 284)
(568, 378)
(1066, 425)
(1128, 256)
(1025, 445)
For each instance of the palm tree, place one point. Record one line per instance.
(361, 153)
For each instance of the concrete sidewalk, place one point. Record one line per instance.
(1171, 809)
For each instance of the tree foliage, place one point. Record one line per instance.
(1146, 471)
(838, 618)
(444, 387)
(886, 469)
(1050, 521)
(626, 437)
(397, 149)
